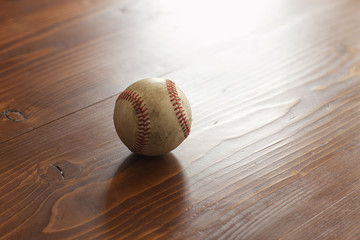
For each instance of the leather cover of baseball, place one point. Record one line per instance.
(152, 116)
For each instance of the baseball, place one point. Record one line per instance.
(152, 116)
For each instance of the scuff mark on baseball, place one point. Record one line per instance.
(152, 116)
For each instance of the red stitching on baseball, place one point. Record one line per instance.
(178, 108)
(143, 133)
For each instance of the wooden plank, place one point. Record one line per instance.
(333, 221)
(58, 58)
(74, 61)
(239, 178)
(273, 151)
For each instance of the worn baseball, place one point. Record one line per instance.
(152, 116)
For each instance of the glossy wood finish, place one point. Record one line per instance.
(274, 147)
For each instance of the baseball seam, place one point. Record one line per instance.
(143, 128)
(178, 108)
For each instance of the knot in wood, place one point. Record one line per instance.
(14, 115)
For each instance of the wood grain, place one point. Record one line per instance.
(274, 147)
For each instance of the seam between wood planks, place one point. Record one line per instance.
(59, 118)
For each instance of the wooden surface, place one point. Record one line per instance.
(275, 144)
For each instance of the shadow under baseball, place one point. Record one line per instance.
(146, 196)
